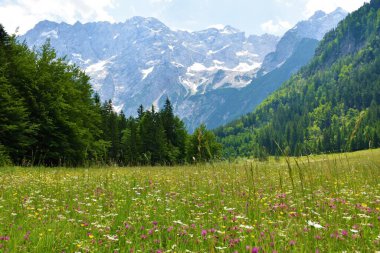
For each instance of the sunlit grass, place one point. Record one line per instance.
(333, 205)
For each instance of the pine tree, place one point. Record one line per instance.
(203, 146)
(56, 97)
(16, 131)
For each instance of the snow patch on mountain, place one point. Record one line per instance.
(146, 72)
(156, 101)
(245, 67)
(98, 72)
(50, 34)
(211, 52)
(118, 108)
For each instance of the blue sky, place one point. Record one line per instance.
(250, 16)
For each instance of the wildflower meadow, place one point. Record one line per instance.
(328, 203)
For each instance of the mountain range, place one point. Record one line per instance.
(330, 105)
(211, 76)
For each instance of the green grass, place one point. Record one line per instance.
(333, 205)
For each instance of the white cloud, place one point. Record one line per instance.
(217, 26)
(26, 13)
(190, 14)
(287, 3)
(330, 5)
(276, 27)
(160, 1)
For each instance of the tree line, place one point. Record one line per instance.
(154, 137)
(49, 115)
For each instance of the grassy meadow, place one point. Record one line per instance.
(312, 204)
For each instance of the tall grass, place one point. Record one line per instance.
(326, 204)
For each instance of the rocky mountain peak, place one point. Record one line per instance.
(318, 15)
(313, 28)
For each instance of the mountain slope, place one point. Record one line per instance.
(228, 104)
(313, 28)
(330, 105)
(295, 49)
(142, 61)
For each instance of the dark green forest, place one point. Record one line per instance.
(50, 116)
(331, 105)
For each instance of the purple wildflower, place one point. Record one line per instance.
(4, 238)
(255, 250)
(26, 236)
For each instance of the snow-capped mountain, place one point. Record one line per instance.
(142, 61)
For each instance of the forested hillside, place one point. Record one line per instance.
(331, 105)
(50, 116)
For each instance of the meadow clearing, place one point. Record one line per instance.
(313, 204)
